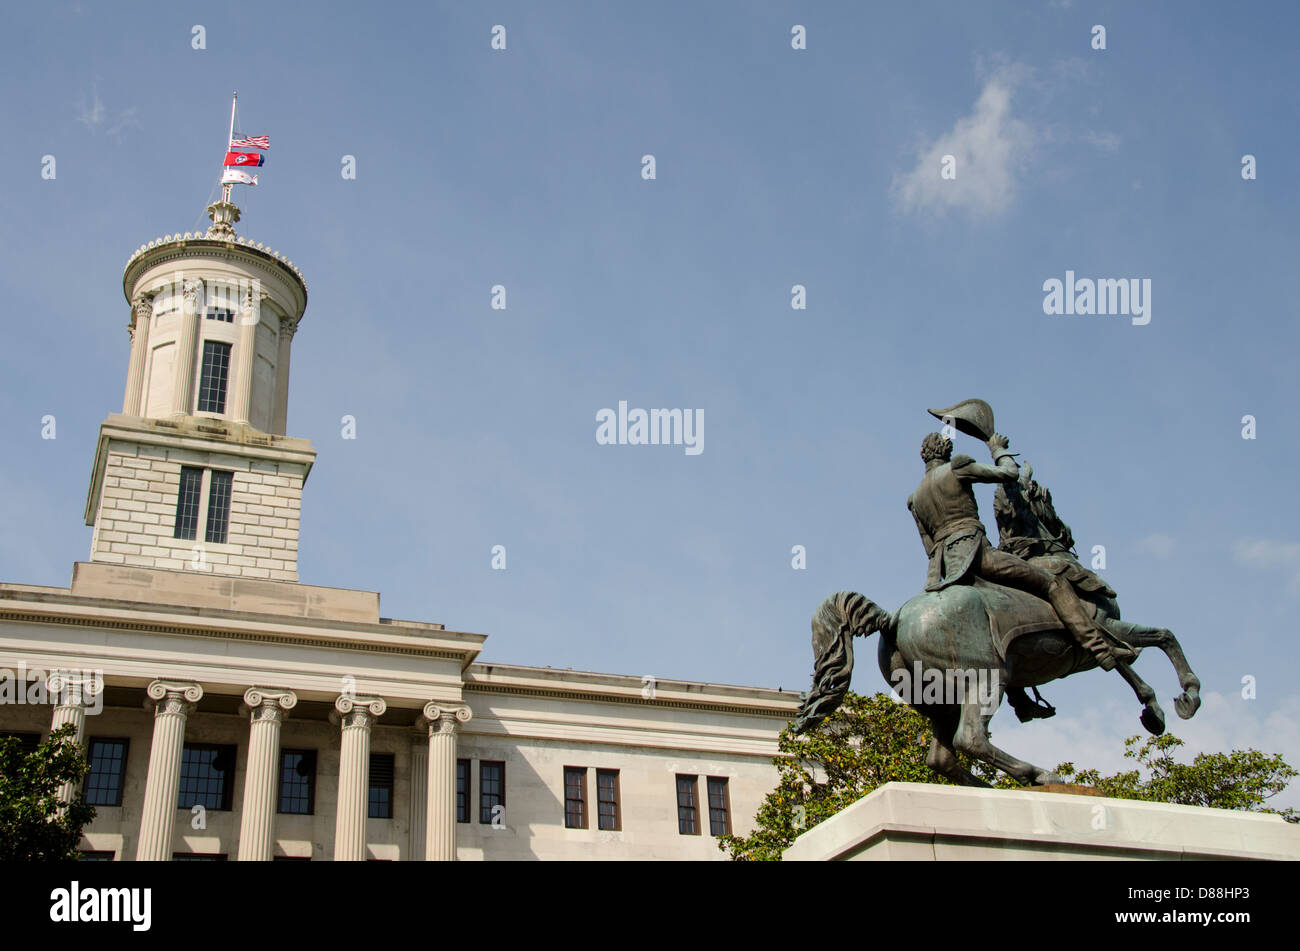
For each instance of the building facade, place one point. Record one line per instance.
(231, 712)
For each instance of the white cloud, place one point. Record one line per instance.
(1267, 554)
(94, 116)
(989, 146)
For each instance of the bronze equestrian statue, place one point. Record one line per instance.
(1009, 618)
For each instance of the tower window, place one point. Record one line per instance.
(212, 382)
(218, 508)
(187, 503)
(221, 314)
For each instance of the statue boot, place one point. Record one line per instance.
(1084, 630)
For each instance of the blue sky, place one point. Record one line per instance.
(775, 167)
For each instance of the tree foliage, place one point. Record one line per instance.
(35, 825)
(870, 741)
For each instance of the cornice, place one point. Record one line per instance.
(193, 243)
(659, 701)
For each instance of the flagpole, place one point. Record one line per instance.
(226, 186)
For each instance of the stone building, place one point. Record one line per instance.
(230, 711)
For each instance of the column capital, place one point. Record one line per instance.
(141, 309)
(173, 696)
(288, 327)
(268, 703)
(441, 717)
(73, 689)
(355, 711)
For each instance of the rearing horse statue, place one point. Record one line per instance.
(983, 641)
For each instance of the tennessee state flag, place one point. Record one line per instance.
(240, 159)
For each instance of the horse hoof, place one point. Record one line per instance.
(1153, 718)
(1187, 705)
(1047, 778)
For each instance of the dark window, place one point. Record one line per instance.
(719, 806)
(27, 742)
(212, 380)
(95, 856)
(491, 791)
(226, 315)
(198, 856)
(107, 772)
(187, 503)
(607, 799)
(207, 774)
(381, 785)
(462, 790)
(687, 822)
(575, 797)
(218, 508)
(290, 858)
(297, 782)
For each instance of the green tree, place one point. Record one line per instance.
(1242, 779)
(870, 741)
(35, 826)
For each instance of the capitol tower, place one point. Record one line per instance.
(196, 472)
(229, 711)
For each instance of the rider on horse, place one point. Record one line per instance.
(947, 517)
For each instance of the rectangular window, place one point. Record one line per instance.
(491, 791)
(607, 799)
(218, 508)
(107, 771)
(687, 818)
(187, 503)
(89, 855)
(207, 776)
(575, 797)
(381, 785)
(297, 782)
(462, 790)
(219, 314)
(719, 806)
(198, 856)
(212, 379)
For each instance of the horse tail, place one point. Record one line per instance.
(835, 623)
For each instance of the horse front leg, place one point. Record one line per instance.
(1152, 717)
(1142, 635)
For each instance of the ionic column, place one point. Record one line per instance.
(443, 721)
(172, 704)
(266, 711)
(419, 793)
(355, 715)
(141, 317)
(191, 314)
(280, 419)
(71, 694)
(250, 315)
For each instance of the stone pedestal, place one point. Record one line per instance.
(920, 821)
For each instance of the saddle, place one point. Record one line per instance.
(1014, 613)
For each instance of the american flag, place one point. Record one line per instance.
(251, 142)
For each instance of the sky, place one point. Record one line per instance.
(773, 167)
